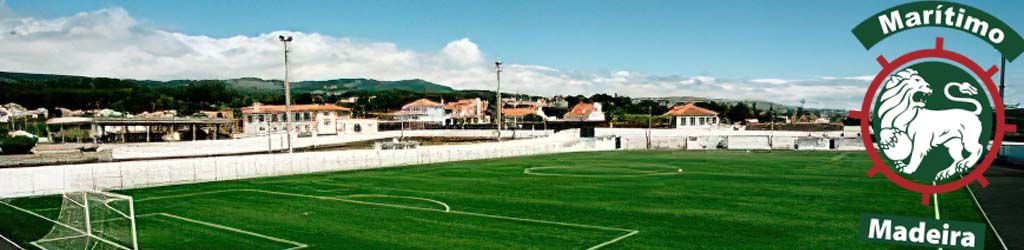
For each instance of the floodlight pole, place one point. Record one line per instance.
(287, 94)
(497, 70)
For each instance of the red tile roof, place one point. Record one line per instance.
(517, 112)
(690, 110)
(294, 108)
(581, 110)
(463, 104)
(422, 103)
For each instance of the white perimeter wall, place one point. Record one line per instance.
(31, 181)
(279, 142)
(705, 139)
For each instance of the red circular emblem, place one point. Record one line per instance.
(1000, 126)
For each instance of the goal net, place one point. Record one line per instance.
(92, 220)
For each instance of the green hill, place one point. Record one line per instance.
(337, 86)
(81, 92)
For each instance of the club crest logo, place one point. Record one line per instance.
(931, 112)
(932, 120)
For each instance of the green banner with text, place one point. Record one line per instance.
(940, 14)
(946, 234)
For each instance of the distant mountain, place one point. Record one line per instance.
(248, 84)
(414, 85)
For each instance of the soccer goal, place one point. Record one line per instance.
(92, 220)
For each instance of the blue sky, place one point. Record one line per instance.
(732, 41)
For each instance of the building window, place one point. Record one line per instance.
(701, 121)
(327, 122)
(249, 117)
(305, 116)
(261, 118)
(693, 121)
(263, 129)
(357, 128)
(273, 118)
(327, 114)
(343, 126)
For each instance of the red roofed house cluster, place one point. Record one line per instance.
(467, 111)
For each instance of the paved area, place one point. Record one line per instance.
(1003, 201)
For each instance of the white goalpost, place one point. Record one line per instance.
(92, 220)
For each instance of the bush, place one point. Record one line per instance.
(17, 145)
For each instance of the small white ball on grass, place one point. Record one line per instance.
(680, 170)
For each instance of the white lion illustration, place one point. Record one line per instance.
(909, 131)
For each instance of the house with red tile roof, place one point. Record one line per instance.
(311, 119)
(585, 112)
(691, 116)
(422, 111)
(466, 111)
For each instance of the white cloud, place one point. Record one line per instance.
(770, 81)
(866, 78)
(111, 43)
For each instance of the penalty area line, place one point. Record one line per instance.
(297, 245)
(629, 232)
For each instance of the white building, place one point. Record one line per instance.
(357, 126)
(691, 116)
(307, 119)
(467, 111)
(422, 111)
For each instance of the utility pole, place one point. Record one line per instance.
(1002, 78)
(287, 94)
(497, 70)
(648, 127)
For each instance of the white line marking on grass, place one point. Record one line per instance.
(61, 238)
(598, 246)
(11, 242)
(983, 214)
(445, 205)
(184, 195)
(629, 232)
(297, 245)
(775, 176)
(530, 171)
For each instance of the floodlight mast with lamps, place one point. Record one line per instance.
(497, 70)
(287, 93)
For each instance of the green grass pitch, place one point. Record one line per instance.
(607, 200)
